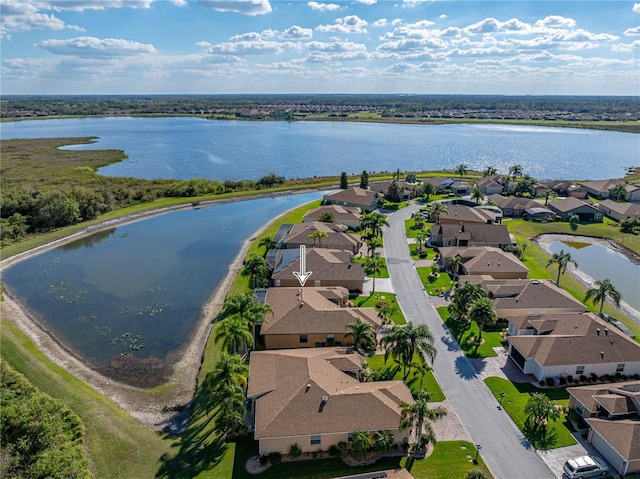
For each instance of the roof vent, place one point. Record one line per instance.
(606, 331)
(601, 354)
(598, 331)
(325, 398)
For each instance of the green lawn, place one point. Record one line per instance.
(464, 334)
(412, 231)
(517, 394)
(429, 383)
(383, 273)
(441, 282)
(381, 296)
(449, 460)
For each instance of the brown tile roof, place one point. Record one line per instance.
(568, 204)
(592, 396)
(340, 213)
(354, 195)
(474, 233)
(325, 264)
(627, 209)
(529, 294)
(602, 186)
(513, 202)
(564, 323)
(311, 311)
(336, 236)
(467, 215)
(493, 260)
(290, 385)
(623, 435)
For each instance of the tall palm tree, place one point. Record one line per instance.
(403, 341)
(562, 259)
(239, 304)
(489, 171)
(268, 243)
(435, 209)
(548, 193)
(233, 333)
(419, 414)
(602, 290)
(374, 222)
(462, 299)
(455, 263)
(319, 235)
(421, 368)
(541, 410)
(618, 191)
(230, 369)
(257, 269)
(461, 170)
(360, 332)
(515, 171)
(256, 315)
(372, 266)
(421, 240)
(483, 313)
(477, 194)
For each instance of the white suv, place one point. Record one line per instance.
(585, 466)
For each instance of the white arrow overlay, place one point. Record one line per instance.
(303, 275)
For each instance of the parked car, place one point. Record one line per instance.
(585, 466)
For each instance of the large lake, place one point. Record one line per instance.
(184, 148)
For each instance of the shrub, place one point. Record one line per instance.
(343, 447)
(275, 458)
(264, 460)
(570, 379)
(563, 381)
(294, 450)
(583, 378)
(541, 382)
(334, 451)
(551, 382)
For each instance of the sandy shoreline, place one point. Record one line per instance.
(545, 240)
(158, 411)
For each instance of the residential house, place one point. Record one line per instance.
(513, 206)
(457, 213)
(490, 185)
(577, 191)
(485, 260)
(579, 346)
(619, 211)
(539, 213)
(612, 412)
(409, 190)
(570, 206)
(440, 183)
(557, 186)
(353, 196)
(328, 267)
(311, 317)
(632, 192)
(470, 235)
(313, 398)
(342, 215)
(600, 188)
(336, 237)
(461, 188)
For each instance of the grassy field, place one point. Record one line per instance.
(441, 282)
(380, 296)
(449, 460)
(415, 381)
(491, 336)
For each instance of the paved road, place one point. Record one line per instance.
(504, 449)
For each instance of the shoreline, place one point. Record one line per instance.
(157, 411)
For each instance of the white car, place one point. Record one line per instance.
(585, 466)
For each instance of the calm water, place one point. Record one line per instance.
(139, 288)
(600, 263)
(192, 147)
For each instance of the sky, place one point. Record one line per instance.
(512, 47)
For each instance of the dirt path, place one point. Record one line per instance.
(158, 411)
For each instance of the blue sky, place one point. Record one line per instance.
(359, 46)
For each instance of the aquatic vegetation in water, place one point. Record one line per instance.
(150, 310)
(103, 330)
(128, 340)
(58, 287)
(74, 296)
(124, 234)
(86, 319)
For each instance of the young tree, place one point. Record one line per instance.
(541, 410)
(562, 259)
(372, 266)
(548, 193)
(433, 211)
(574, 221)
(384, 441)
(602, 290)
(319, 235)
(428, 189)
(419, 415)
(483, 314)
(360, 444)
(360, 332)
(364, 180)
(421, 240)
(394, 193)
(454, 264)
(344, 181)
(257, 269)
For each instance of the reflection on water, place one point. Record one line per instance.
(127, 299)
(601, 262)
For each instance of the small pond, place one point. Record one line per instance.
(128, 299)
(601, 262)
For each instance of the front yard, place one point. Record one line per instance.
(415, 380)
(433, 284)
(491, 336)
(377, 301)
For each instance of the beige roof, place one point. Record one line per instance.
(312, 310)
(340, 213)
(336, 236)
(324, 264)
(289, 387)
(467, 215)
(474, 233)
(528, 294)
(490, 260)
(614, 397)
(623, 435)
(513, 202)
(602, 186)
(569, 345)
(627, 209)
(550, 322)
(354, 195)
(568, 204)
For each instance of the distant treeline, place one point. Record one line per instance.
(591, 107)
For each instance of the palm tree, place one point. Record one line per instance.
(233, 333)
(374, 222)
(402, 342)
(268, 243)
(602, 290)
(462, 300)
(372, 243)
(483, 313)
(618, 191)
(549, 193)
(384, 441)
(229, 420)
(256, 315)
(541, 410)
(421, 368)
(397, 174)
(574, 221)
(419, 414)
(461, 170)
(455, 263)
(421, 239)
(257, 269)
(435, 209)
(418, 220)
(318, 234)
(515, 171)
(230, 369)
(360, 444)
(239, 304)
(360, 332)
(373, 265)
(562, 259)
(477, 194)
(489, 171)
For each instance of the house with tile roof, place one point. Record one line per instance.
(342, 215)
(409, 190)
(353, 196)
(457, 213)
(470, 235)
(328, 267)
(311, 317)
(599, 188)
(570, 206)
(490, 185)
(313, 398)
(513, 206)
(484, 261)
(619, 211)
(336, 237)
(612, 412)
(582, 344)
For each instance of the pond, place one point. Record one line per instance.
(132, 295)
(601, 262)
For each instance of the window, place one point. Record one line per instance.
(620, 368)
(580, 409)
(331, 336)
(579, 369)
(315, 439)
(350, 436)
(303, 338)
(317, 282)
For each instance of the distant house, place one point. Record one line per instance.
(410, 190)
(470, 235)
(336, 237)
(612, 412)
(353, 196)
(343, 215)
(570, 206)
(485, 261)
(539, 213)
(513, 206)
(329, 267)
(456, 214)
(577, 346)
(557, 186)
(599, 189)
(439, 183)
(490, 185)
(313, 398)
(619, 211)
(577, 191)
(461, 188)
(311, 317)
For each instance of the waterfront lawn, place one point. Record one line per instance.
(449, 460)
(432, 283)
(383, 273)
(380, 296)
(414, 380)
(464, 334)
(514, 402)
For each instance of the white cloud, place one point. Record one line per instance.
(367, 2)
(382, 22)
(324, 7)
(203, 44)
(296, 32)
(82, 5)
(348, 24)
(19, 16)
(636, 7)
(413, 3)
(491, 25)
(249, 47)
(245, 7)
(626, 47)
(442, 17)
(632, 32)
(91, 47)
(396, 21)
(556, 21)
(179, 3)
